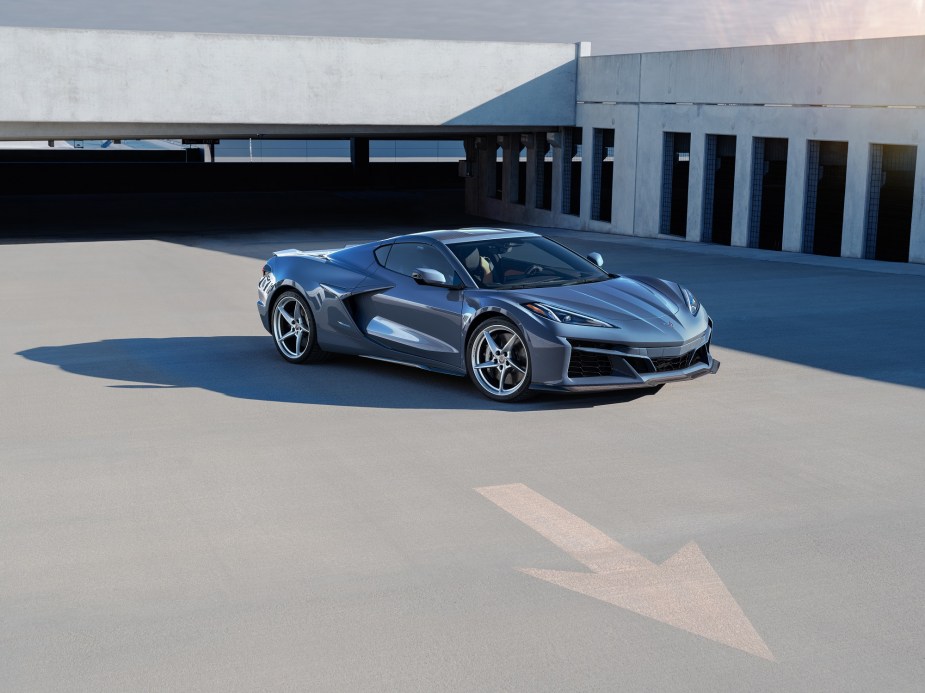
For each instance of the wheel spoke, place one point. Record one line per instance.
(516, 367)
(490, 342)
(287, 335)
(298, 344)
(487, 364)
(510, 343)
(282, 311)
(501, 378)
(297, 313)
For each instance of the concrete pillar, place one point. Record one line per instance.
(741, 201)
(587, 174)
(695, 186)
(508, 169)
(917, 238)
(624, 176)
(854, 227)
(486, 170)
(558, 152)
(795, 196)
(511, 167)
(532, 146)
(473, 180)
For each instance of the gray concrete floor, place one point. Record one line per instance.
(179, 509)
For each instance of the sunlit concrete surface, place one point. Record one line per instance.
(179, 509)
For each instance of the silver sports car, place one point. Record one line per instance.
(515, 310)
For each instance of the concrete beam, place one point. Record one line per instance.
(200, 84)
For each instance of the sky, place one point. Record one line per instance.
(612, 26)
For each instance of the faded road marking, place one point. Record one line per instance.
(684, 592)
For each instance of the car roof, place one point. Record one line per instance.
(452, 236)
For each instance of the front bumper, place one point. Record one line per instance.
(621, 383)
(593, 365)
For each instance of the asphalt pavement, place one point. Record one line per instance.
(182, 510)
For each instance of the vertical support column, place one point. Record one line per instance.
(473, 176)
(508, 169)
(624, 170)
(486, 170)
(587, 175)
(917, 236)
(695, 187)
(854, 227)
(558, 170)
(530, 195)
(542, 198)
(742, 197)
(794, 196)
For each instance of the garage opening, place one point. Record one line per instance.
(676, 164)
(602, 175)
(824, 213)
(543, 172)
(889, 204)
(571, 171)
(769, 185)
(719, 188)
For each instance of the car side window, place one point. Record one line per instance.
(407, 257)
(382, 254)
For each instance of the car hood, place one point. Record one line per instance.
(620, 300)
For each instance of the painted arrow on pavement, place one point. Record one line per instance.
(684, 591)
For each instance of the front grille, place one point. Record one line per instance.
(589, 364)
(673, 363)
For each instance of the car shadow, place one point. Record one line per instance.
(249, 368)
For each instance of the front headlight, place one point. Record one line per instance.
(693, 305)
(566, 317)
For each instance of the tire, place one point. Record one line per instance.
(293, 328)
(498, 360)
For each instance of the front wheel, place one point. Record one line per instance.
(294, 329)
(498, 360)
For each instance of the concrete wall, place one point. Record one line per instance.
(85, 84)
(860, 92)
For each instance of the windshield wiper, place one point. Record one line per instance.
(588, 280)
(531, 285)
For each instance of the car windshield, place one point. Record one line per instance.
(520, 263)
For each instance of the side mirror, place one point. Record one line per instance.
(431, 277)
(596, 259)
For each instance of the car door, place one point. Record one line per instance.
(418, 320)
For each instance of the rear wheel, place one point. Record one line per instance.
(498, 360)
(294, 329)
